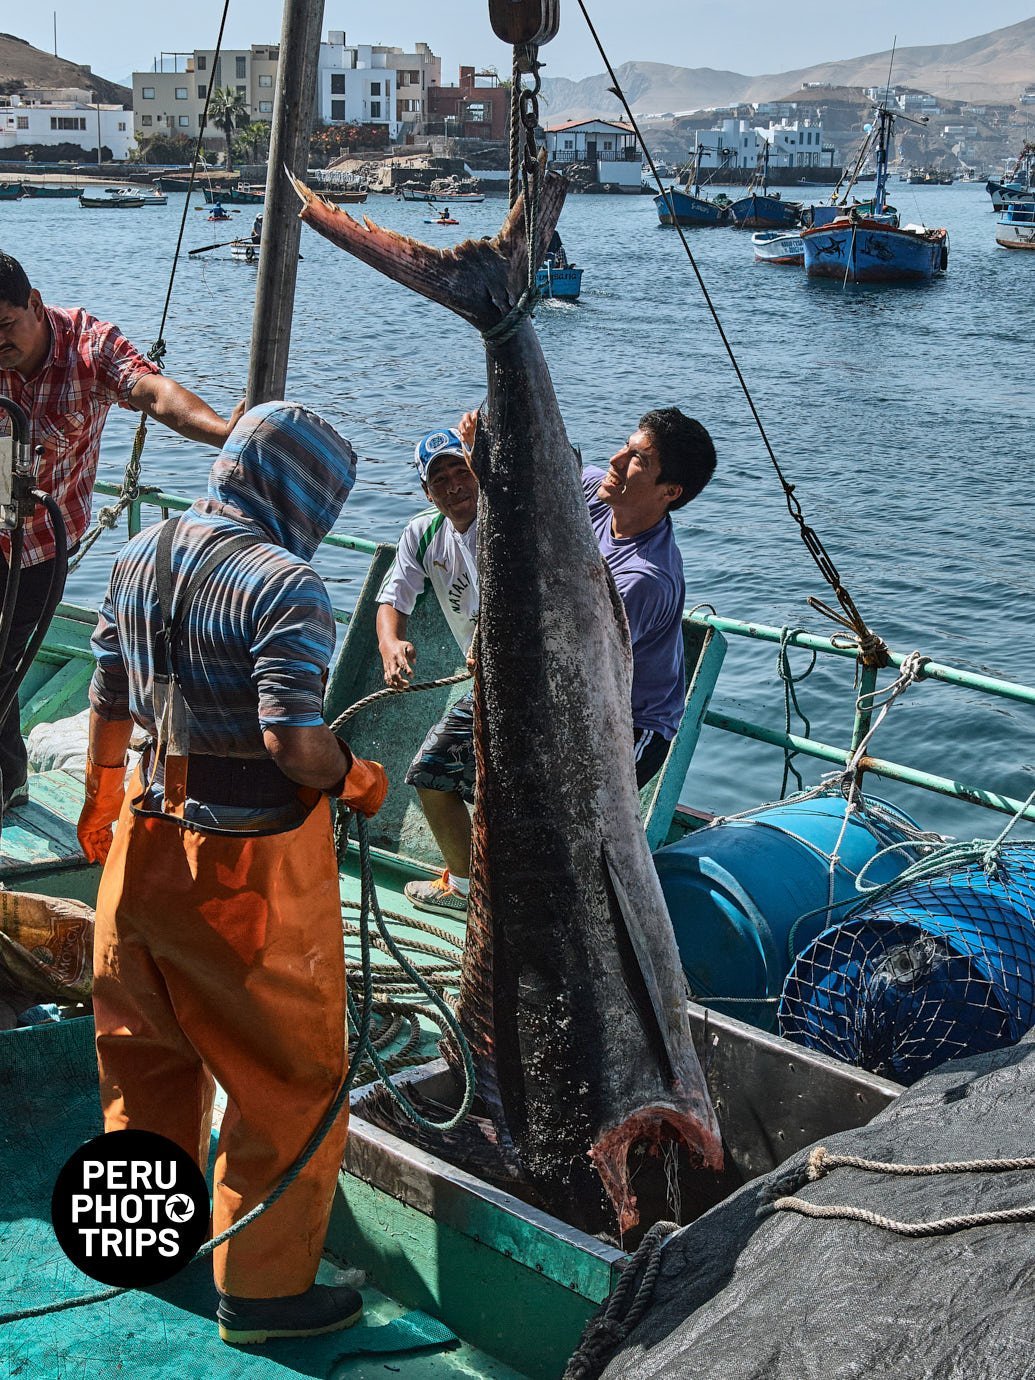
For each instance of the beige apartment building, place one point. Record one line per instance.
(171, 99)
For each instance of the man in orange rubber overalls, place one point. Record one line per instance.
(218, 949)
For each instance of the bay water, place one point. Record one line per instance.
(903, 416)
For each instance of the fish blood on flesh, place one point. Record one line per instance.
(572, 994)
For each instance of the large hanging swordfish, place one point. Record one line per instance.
(572, 995)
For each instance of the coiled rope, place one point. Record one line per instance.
(606, 1332)
(820, 1162)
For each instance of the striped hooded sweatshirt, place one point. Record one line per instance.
(259, 634)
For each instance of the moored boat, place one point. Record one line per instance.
(857, 247)
(1019, 185)
(52, 191)
(778, 247)
(11, 191)
(760, 211)
(239, 195)
(1015, 226)
(679, 206)
(112, 198)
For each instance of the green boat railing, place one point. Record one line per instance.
(790, 742)
(868, 678)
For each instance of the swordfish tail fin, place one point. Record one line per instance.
(481, 280)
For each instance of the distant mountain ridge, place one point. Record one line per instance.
(994, 67)
(23, 65)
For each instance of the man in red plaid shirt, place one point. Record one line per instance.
(65, 369)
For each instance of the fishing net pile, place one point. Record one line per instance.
(749, 1293)
(940, 967)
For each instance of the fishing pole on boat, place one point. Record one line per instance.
(872, 649)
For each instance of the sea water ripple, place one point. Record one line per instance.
(903, 416)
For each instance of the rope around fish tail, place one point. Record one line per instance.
(606, 1332)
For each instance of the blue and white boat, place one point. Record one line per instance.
(564, 284)
(1015, 227)
(778, 247)
(856, 247)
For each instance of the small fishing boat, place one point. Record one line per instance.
(760, 211)
(155, 198)
(112, 198)
(1015, 227)
(563, 284)
(857, 247)
(11, 191)
(1019, 185)
(410, 192)
(683, 206)
(244, 252)
(52, 191)
(778, 247)
(240, 195)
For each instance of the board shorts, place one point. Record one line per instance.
(445, 760)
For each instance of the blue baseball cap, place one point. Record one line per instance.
(445, 441)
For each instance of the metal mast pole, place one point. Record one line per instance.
(293, 111)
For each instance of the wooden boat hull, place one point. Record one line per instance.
(564, 284)
(867, 251)
(1015, 228)
(764, 213)
(11, 191)
(111, 203)
(51, 193)
(236, 196)
(682, 208)
(777, 247)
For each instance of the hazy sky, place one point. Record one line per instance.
(119, 36)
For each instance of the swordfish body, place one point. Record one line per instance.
(572, 994)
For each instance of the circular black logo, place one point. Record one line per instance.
(131, 1208)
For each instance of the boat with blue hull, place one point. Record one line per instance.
(680, 206)
(563, 284)
(686, 206)
(856, 247)
(760, 211)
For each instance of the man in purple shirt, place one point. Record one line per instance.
(664, 464)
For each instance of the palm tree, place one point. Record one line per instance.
(229, 111)
(255, 137)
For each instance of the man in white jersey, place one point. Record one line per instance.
(439, 547)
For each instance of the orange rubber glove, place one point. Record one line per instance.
(365, 784)
(105, 790)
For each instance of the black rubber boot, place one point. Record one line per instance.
(322, 1308)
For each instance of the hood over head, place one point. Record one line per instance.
(287, 469)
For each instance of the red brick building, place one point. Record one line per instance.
(476, 109)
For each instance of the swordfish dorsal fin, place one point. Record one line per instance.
(481, 280)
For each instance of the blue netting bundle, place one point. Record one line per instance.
(936, 969)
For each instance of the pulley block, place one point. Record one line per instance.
(525, 21)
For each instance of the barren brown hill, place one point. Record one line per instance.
(23, 65)
(994, 67)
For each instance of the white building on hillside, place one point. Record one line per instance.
(375, 84)
(607, 144)
(739, 143)
(74, 119)
(362, 84)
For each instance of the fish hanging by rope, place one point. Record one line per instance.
(572, 995)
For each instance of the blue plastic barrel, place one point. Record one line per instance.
(737, 891)
(940, 969)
